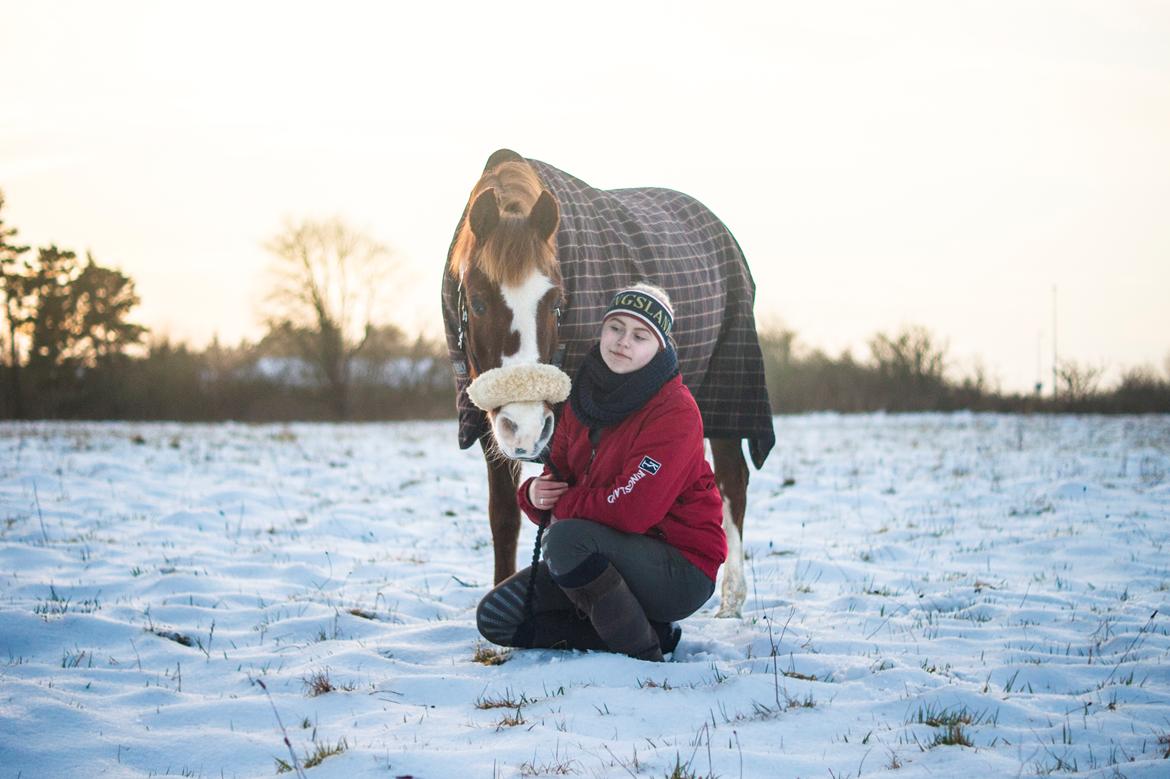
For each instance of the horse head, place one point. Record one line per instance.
(510, 297)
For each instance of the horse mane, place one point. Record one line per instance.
(513, 249)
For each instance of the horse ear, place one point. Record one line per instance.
(485, 214)
(545, 216)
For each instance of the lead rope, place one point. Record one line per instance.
(545, 517)
(546, 458)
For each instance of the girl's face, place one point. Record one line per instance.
(627, 344)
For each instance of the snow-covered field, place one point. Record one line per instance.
(943, 596)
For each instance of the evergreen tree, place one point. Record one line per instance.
(12, 277)
(102, 299)
(52, 321)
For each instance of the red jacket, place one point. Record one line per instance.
(649, 476)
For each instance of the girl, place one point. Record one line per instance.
(636, 536)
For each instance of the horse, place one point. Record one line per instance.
(534, 260)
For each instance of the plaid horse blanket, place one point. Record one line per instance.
(609, 239)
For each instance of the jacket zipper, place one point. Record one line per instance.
(594, 440)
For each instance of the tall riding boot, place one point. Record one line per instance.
(597, 589)
(558, 630)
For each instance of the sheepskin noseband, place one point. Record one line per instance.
(515, 383)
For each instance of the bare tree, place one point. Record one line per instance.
(912, 354)
(330, 284)
(1078, 381)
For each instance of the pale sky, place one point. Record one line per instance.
(881, 163)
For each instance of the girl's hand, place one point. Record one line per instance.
(544, 493)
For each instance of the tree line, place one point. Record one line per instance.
(910, 370)
(69, 349)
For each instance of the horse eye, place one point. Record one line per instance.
(477, 305)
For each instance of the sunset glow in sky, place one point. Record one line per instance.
(937, 163)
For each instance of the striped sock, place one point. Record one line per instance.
(501, 612)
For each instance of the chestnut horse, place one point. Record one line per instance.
(535, 258)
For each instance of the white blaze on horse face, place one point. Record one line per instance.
(524, 300)
(522, 429)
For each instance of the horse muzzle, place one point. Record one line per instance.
(518, 398)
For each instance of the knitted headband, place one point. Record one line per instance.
(645, 308)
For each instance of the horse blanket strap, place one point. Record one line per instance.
(609, 239)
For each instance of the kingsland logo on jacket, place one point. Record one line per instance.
(648, 467)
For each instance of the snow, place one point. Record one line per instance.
(1005, 575)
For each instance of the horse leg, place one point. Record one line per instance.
(503, 511)
(731, 474)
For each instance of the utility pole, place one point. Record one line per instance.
(1054, 352)
(1039, 362)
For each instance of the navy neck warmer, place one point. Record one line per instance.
(601, 398)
